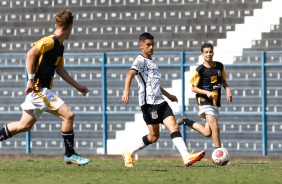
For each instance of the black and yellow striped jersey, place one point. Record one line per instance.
(45, 65)
(209, 79)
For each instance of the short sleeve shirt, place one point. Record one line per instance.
(45, 65)
(209, 79)
(149, 81)
(46, 44)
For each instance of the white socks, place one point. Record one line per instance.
(136, 147)
(180, 144)
(175, 137)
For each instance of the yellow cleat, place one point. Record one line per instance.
(192, 158)
(128, 159)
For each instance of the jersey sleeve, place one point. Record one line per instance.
(62, 62)
(44, 45)
(223, 76)
(195, 79)
(138, 65)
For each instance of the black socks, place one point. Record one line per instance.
(188, 123)
(69, 141)
(5, 133)
(146, 141)
(175, 134)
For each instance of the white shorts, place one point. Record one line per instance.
(42, 100)
(208, 109)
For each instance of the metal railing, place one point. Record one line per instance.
(182, 65)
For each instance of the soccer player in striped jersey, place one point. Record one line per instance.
(206, 81)
(43, 60)
(154, 107)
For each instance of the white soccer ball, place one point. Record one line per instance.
(220, 156)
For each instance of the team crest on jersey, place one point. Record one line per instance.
(154, 114)
(53, 98)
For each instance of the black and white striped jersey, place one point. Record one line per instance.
(149, 81)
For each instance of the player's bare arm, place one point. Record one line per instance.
(130, 75)
(210, 94)
(169, 96)
(228, 91)
(62, 72)
(30, 62)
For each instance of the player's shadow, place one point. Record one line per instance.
(203, 166)
(159, 170)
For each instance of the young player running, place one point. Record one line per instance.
(43, 60)
(206, 81)
(154, 107)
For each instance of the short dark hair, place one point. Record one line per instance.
(145, 36)
(64, 19)
(206, 45)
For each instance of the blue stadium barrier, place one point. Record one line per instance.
(103, 66)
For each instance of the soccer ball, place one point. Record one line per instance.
(220, 156)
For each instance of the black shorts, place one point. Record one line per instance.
(155, 114)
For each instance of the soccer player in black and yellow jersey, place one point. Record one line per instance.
(43, 60)
(206, 82)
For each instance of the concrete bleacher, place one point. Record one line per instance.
(270, 41)
(111, 26)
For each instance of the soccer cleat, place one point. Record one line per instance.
(181, 120)
(192, 158)
(128, 159)
(76, 159)
(184, 120)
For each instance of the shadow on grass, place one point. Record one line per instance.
(195, 166)
(251, 163)
(159, 170)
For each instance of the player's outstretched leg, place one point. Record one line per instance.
(128, 159)
(192, 158)
(76, 159)
(184, 120)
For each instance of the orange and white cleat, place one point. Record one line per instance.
(128, 159)
(192, 158)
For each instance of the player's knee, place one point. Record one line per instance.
(207, 134)
(153, 138)
(214, 126)
(70, 116)
(24, 127)
(28, 128)
(175, 127)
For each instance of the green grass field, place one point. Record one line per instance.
(40, 171)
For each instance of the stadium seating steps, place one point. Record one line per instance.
(114, 25)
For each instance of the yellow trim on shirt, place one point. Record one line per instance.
(58, 60)
(45, 44)
(195, 79)
(223, 76)
(214, 100)
(45, 100)
(38, 63)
